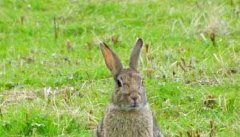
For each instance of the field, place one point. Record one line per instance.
(54, 82)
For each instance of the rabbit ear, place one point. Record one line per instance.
(135, 54)
(112, 61)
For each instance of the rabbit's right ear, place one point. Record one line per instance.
(135, 54)
(112, 61)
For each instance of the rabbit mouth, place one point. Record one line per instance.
(135, 105)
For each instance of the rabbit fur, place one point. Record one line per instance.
(128, 114)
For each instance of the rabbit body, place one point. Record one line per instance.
(134, 123)
(128, 114)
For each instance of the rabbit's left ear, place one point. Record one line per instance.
(111, 59)
(135, 54)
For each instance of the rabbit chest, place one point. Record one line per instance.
(137, 123)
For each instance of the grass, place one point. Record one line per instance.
(53, 80)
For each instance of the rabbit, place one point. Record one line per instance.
(128, 114)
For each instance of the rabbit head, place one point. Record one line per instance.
(129, 90)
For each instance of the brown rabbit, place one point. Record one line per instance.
(128, 114)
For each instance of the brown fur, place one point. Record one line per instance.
(135, 123)
(128, 114)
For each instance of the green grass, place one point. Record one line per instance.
(59, 85)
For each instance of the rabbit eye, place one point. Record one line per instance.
(119, 83)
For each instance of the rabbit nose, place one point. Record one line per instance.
(134, 98)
